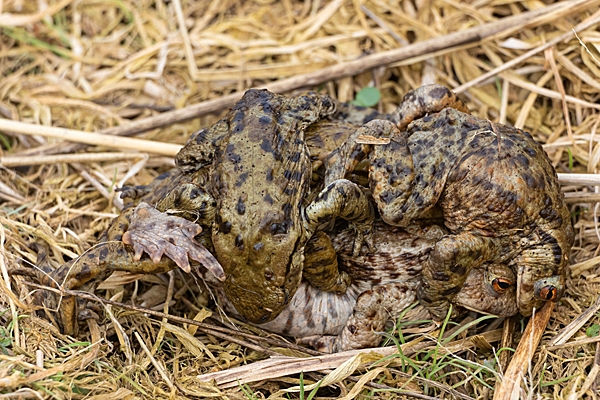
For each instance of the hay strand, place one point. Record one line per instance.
(165, 149)
(510, 385)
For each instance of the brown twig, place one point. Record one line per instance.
(578, 197)
(11, 162)
(510, 385)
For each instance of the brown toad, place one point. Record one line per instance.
(245, 179)
(384, 284)
(259, 170)
(495, 184)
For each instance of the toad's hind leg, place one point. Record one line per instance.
(92, 268)
(373, 309)
(447, 268)
(320, 267)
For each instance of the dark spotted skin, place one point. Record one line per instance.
(495, 184)
(384, 284)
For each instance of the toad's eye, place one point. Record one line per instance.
(548, 293)
(501, 285)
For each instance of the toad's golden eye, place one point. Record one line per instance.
(501, 285)
(548, 293)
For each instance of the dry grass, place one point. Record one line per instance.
(91, 65)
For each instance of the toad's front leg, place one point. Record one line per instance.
(346, 200)
(340, 199)
(447, 267)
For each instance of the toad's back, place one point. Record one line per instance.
(500, 177)
(258, 169)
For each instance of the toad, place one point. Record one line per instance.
(495, 184)
(245, 180)
(384, 284)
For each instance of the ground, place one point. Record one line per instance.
(95, 65)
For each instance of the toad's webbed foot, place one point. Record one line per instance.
(133, 192)
(161, 234)
(342, 161)
(137, 192)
